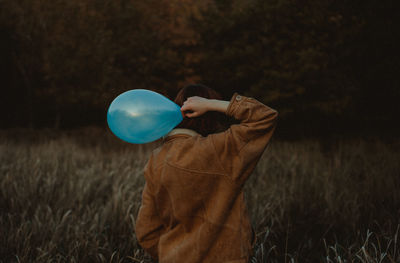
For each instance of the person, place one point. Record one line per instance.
(193, 208)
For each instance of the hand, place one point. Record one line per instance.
(196, 106)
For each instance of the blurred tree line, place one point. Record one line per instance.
(328, 67)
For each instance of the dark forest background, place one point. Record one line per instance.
(329, 67)
(327, 190)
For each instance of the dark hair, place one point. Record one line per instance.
(209, 122)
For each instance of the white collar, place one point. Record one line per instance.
(182, 131)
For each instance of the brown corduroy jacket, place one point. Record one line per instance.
(193, 208)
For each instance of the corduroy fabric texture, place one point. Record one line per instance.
(193, 208)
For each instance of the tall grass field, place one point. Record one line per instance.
(73, 196)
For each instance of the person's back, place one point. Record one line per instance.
(193, 208)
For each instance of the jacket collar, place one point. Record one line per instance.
(179, 132)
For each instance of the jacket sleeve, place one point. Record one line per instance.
(240, 147)
(148, 226)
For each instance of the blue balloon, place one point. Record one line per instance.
(142, 116)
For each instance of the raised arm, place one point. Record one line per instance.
(240, 147)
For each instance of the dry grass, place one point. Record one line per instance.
(73, 197)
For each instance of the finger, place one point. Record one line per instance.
(192, 114)
(185, 107)
(192, 98)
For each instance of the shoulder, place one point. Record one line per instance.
(196, 153)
